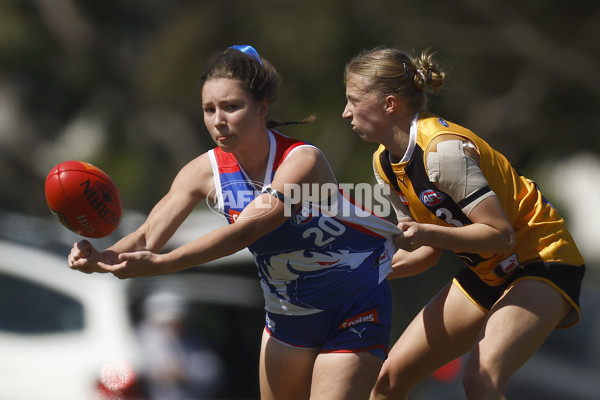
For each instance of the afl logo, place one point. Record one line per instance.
(302, 215)
(431, 198)
(444, 123)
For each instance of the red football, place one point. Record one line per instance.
(83, 198)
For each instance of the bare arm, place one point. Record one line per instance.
(491, 232)
(190, 186)
(410, 263)
(261, 216)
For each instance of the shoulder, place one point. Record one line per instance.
(196, 176)
(287, 145)
(305, 164)
(431, 126)
(304, 154)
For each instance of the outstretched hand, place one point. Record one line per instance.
(134, 264)
(85, 258)
(411, 238)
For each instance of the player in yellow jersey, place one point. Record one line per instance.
(451, 190)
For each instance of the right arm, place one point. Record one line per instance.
(410, 263)
(191, 185)
(406, 263)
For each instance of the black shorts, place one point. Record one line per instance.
(564, 278)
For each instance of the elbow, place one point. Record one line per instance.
(508, 241)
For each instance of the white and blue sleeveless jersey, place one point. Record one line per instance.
(317, 259)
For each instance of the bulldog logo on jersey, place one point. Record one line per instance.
(431, 197)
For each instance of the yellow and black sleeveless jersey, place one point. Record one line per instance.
(541, 233)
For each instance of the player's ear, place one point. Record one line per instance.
(391, 104)
(264, 106)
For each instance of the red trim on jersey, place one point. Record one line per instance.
(362, 229)
(284, 146)
(225, 161)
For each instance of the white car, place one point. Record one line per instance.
(65, 335)
(61, 332)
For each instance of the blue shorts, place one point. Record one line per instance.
(360, 325)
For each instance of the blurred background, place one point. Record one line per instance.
(116, 84)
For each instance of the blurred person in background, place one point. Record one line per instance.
(452, 190)
(322, 259)
(178, 364)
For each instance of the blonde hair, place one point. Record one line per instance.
(388, 71)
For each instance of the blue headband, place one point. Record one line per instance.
(248, 50)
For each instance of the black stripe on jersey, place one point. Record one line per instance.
(474, 196)
(386, 166)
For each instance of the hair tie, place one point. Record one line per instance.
(406, 72)
(248, 50)
(422, 75)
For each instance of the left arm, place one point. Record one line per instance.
(490, 233)
(453, 163)
(264, 214)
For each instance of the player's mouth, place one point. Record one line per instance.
(224, 138)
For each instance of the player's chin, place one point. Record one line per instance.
(365, 136)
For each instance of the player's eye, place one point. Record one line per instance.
(232, 107)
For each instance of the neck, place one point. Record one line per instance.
(398, 142)
(254, 157)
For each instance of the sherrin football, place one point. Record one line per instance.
(83, 198)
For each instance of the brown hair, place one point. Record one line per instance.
(257, 75)
(388, 71)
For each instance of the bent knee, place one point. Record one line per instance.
(480, 383)
(390, 386)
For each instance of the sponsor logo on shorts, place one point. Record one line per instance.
(367, 316)
(509, 263)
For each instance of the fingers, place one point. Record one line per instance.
(406, 240)
(79, 257)
(122, 269)
(82, 249)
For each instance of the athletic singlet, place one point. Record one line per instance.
(541, 233)
(316, 259)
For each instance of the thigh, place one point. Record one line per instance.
(445, 329)
(344, 375)
(285, 371)
(517, 325)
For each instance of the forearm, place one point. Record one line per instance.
(409, 263)
(161, 224)
(228, 239)
(475, 238)
(219, 243)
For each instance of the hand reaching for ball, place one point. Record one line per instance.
(85, 258)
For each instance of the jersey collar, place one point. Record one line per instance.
(412, 142)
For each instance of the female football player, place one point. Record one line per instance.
(322, 266)
(451, 190)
